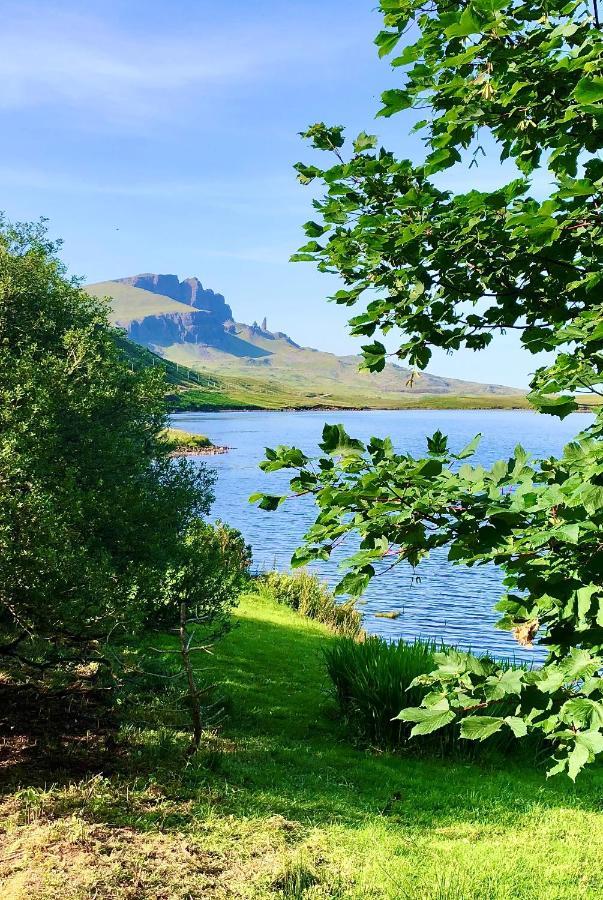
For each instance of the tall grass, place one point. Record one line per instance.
(372, 682)
(310, 597)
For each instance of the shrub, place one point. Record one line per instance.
(310, 597)
(209, 573)
(372, 681)
(92, 510)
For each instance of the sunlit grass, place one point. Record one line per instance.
(279, 803)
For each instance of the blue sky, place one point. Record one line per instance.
(161, 136)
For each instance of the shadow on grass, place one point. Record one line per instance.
(284, 753)
(43, 730)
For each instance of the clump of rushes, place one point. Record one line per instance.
(310, 597)
(373, 681)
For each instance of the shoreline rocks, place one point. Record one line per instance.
(201, 451)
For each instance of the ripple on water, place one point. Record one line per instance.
(450, 603)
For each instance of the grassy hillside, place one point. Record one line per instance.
(305, 370)
(191, 389)
(279, 804)
(130, 303)
(272, 394)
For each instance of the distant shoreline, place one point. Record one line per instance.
(302, 409)
(343, 409)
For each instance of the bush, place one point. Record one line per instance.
(209, 573)
(372, 681)
(307, 595)
(92, 510)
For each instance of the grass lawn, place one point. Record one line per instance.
(280, 804)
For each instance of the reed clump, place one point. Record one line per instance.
(373, 681)
(310, 597)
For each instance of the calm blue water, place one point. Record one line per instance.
(446, 602)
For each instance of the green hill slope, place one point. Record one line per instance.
(130, 303)
(231, 364)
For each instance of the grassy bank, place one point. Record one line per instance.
(241, 393)
(181, 441)
(280, 804)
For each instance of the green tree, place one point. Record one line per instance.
(200, 589)
(92, 511)
(450, 271)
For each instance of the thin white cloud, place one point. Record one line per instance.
(261, 194)
(81, 62)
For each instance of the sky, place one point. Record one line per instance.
(160, 136)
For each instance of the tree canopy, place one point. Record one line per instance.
(92, 510)
(451, 271)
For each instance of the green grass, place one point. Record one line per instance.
(129, 303)
(246, 393)
(181, 441)
(280, 804)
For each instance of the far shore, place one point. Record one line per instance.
(427, 407)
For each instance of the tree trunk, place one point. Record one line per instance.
(193, 692)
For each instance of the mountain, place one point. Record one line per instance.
(194, 327)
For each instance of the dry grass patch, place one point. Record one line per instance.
(71, 859)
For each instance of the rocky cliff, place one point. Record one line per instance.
(189, 324)
(198, 315)
(189, 291)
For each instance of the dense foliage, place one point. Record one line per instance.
(375, 678)
(208, 572)
(451, 271)
(92, 511)
(372, 681)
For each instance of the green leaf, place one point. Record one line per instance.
(517, 726)
(591, 495)
(467, 24)
(589, 90)
(556, 406)
(312, 229)
(441, 159)
(267, 501)
(386, 41)
(470, 448)
(365, 141)
(427, 720)
(304, 555)
(478, 728)
(577, 759)
(354, 584)
(437, 443)
(584, 597)
(337, 442)
(569, 533)
(394, 101)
